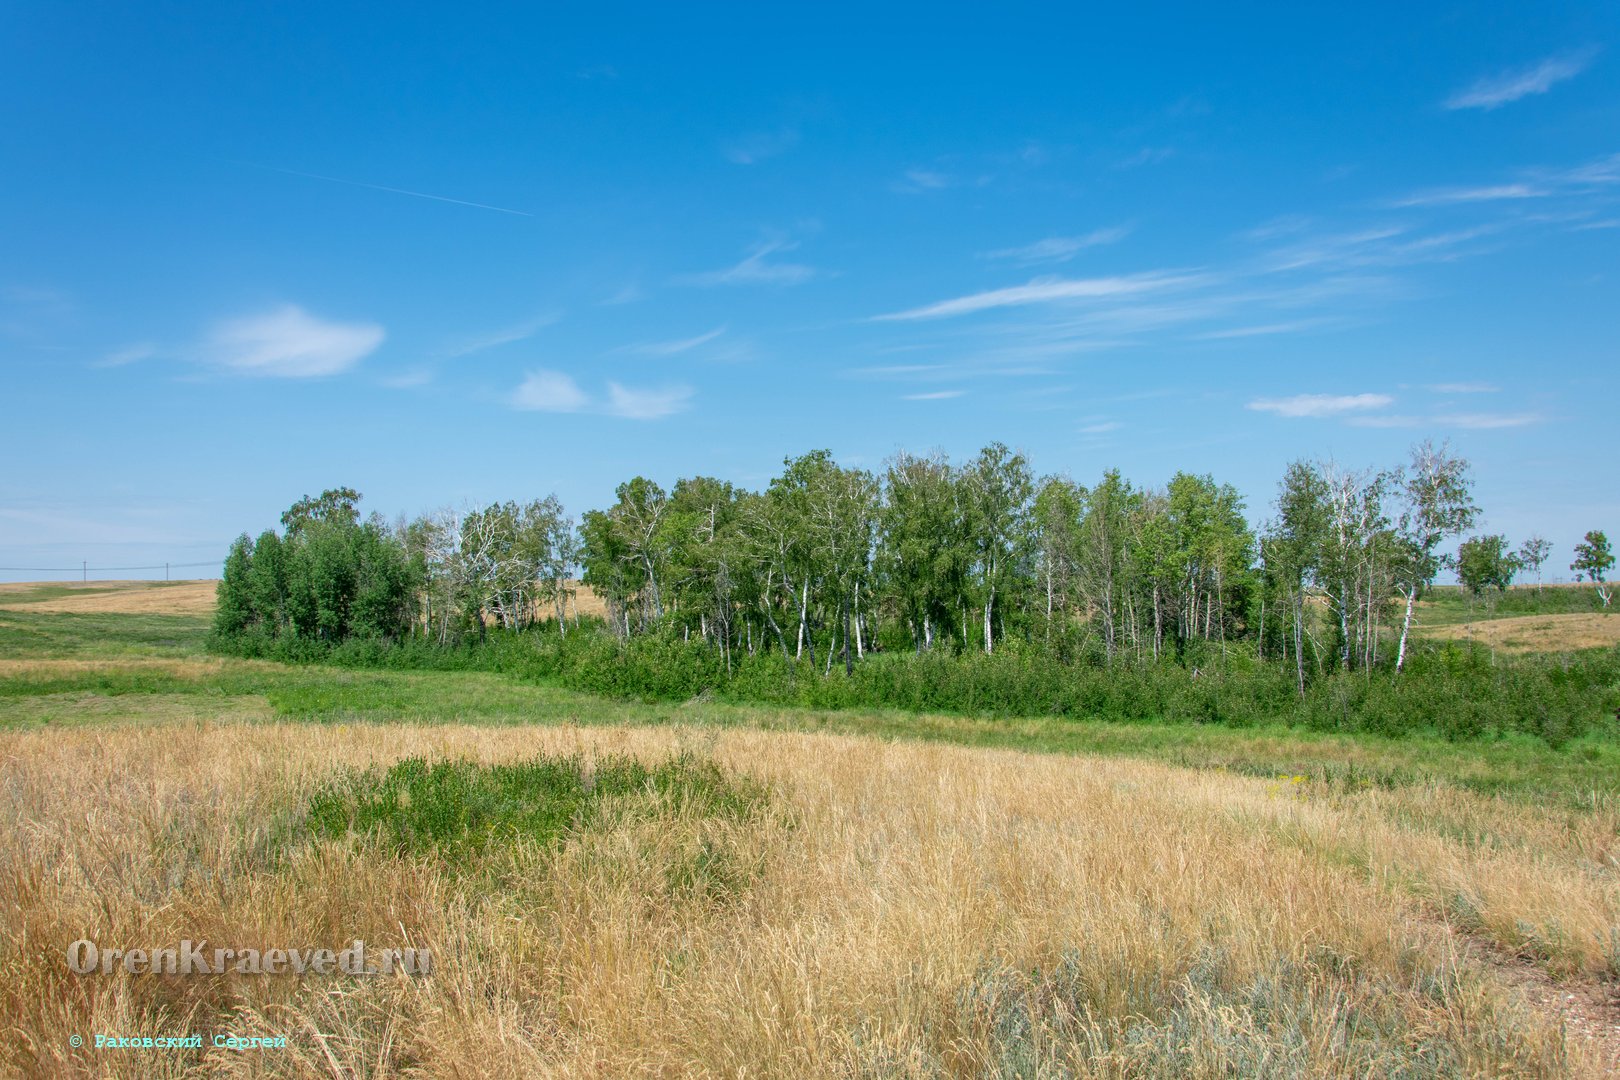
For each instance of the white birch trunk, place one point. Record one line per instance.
(1406, 627)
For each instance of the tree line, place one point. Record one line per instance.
(829, 564)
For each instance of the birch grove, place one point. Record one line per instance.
(830, 564)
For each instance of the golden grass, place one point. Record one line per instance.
(584, 603)
(1538, 633)
(123, 597)
(911, 910)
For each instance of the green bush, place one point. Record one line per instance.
(457, 809)
(1449, 690)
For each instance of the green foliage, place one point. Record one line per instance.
(1593, 560)
(336, 506)
(458, 809)
(234, 607)
(1451, 691)
(330, 578)
(1533, 554)
(968, 590)
(1486, 562)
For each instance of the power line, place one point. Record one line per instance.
(100, 569)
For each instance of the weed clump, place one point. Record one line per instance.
(458, 809)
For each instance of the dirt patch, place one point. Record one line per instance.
(1590, 1011)
(112, 597)
(1586, 1009)
(1538, 633)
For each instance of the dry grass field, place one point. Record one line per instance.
(1538, 633)
(902, 911)
(890, 909)
(585, 603)
(112, 597)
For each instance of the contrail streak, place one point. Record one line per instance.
(393, 190)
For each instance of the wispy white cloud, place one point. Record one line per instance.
(756, 269)
(1305, 275)
(549, 391)
(754, 148)
(1539, 183)
(1488, 421)
(1061, 248)
(936, 395)
(974, 170)
(1463, 421)
(290, 343)
(897, 371)
(647, 403)
(1102, 427)
(553, 391)
(1318, 405)
(1385, 245)
(627, 295)
(131, 354)
(916, 181)
(517, 332)
(407, 380)
(1497, 90)
(1485, 193)
(1465, 388)
(1264, 330)
(675, 348)
(1040, 291)
(1600, 173)
(1277, 227)
(1044, 338)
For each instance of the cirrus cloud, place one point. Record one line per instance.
(290, 343)
(553, 391)
(647, 403)
(1316, 405)
(1040, 291)
(1498, 90)
(549, 391)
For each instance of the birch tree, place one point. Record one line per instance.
(997, 489)
(924, 544)
(1594, 559)
(1437, 504)
(1533, 555)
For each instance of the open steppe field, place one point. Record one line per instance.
(1537, 633)
(112, 597)
(1523, 619)
(617, 889)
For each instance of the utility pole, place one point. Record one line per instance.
(84, 570)
(165, 571)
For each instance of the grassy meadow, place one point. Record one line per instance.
(610, 888)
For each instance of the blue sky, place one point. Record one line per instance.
(462, 254)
